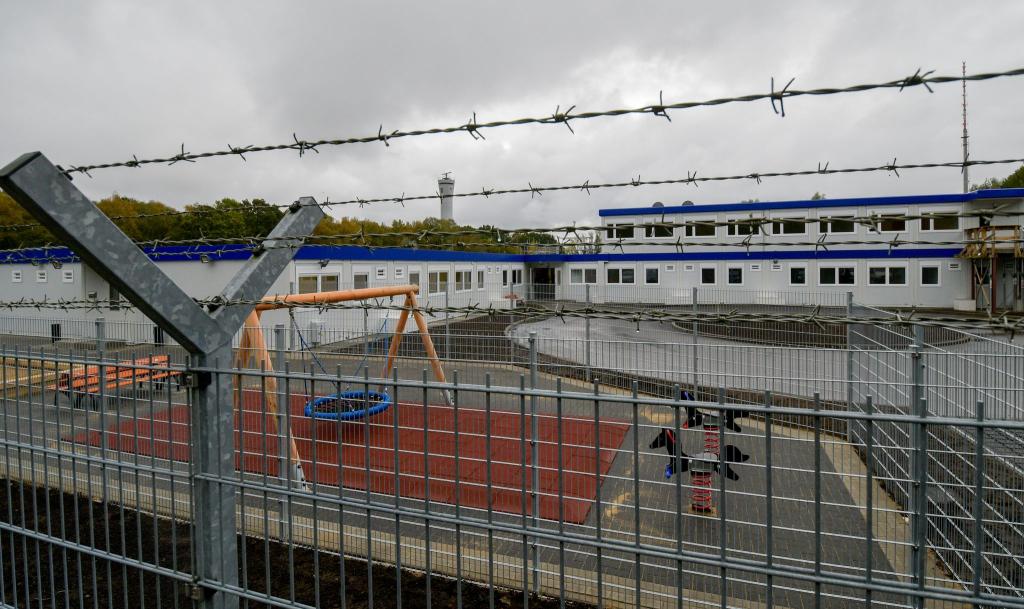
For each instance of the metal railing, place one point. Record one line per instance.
(823, 511)
(958, 473)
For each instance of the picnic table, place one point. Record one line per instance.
(81, 381)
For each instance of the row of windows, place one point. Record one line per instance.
(42, 276)
(627, 275)
(437, 281)
(877, 275)
(828, 275)
(839, 224)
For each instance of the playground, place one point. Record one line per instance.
(560, 457)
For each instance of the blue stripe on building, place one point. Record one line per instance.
(1006, 193)
(354, 253)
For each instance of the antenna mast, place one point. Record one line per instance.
(964, 136)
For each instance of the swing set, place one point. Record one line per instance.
(344, 405)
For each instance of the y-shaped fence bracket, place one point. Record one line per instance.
(46, 193)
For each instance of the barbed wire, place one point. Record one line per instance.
(559, 117)
(692, 178)
(818, 315)
(215, 253)
(749, 229)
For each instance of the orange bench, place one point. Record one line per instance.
(82, 381)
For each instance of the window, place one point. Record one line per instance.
(797, 275)
(930, 274)
(888, 223)
(308, 284)
(414, 277)
(651, 275)
(707, 275)
(621, 276)
(776, 266)
(741, 227)
(504, 277)
(938, 221)
(755, 267)
(700, 229)
(734, 275)
(382, 272)
(620, 231)
(689, 267)
(67, 276)
(558, 276)
(113, 297)
(329, 283)
(40, 276)
(789, 226)
(437, 282)
(480, 280)
(658, 232)
(360, 280)
(670, 268)
(837, 224)
(887, 275)
(898, 275)
(15, 276)
(836, 275)
(463, 281)
(578, 276)
(517, 276)
(953, 266)
(399, 272)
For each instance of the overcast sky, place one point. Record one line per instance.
(100, 81)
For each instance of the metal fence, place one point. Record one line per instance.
(952, 475)
(600, 460)
(539, 478)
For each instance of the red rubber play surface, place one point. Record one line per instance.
(166, 436)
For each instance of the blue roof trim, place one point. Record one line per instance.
(326, 252)
(235, 251)
(1005, 193)
(896, 253)
(353, 252)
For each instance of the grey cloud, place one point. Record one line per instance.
(101, 81)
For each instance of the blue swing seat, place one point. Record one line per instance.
(320, 407)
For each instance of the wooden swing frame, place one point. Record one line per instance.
(252, 349)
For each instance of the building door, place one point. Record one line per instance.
(542, 283)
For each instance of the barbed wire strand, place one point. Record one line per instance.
(215, 253)
(748, 229)
(692, 178)
(474, 127)
(817, 316)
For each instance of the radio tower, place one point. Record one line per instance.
(964, 136)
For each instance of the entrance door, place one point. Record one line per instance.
(542, 283)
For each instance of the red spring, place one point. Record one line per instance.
(711, 440)
(701, 495)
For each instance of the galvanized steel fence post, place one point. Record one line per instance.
(47, 193)
(101, 336)
(366, 337)
(849, 368)
(696, 373)
(534, 466)
(919, 466)
(587, 336)
(447, 329)
(282, 423)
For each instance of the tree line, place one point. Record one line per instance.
(236, 219)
